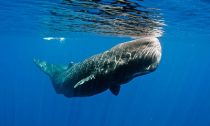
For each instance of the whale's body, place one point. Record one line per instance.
(107, 70)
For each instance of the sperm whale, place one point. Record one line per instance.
(107, 70)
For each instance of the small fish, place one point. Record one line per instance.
(61, 39)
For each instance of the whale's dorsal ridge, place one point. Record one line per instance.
(85, 80)
(115, 89)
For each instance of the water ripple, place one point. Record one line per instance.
(132, 18)
(122, 18)
(114, 17)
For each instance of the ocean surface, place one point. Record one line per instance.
(61, 31)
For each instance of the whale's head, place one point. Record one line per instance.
(143, 55)
(147, 55)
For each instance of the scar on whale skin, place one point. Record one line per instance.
(107, 70)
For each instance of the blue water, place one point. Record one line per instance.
(176, 94)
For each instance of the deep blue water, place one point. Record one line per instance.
(176, 94)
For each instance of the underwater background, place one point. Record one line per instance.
(176, 94)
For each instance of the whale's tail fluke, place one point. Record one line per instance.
(51, 70)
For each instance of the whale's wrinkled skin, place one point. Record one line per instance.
(107, 70)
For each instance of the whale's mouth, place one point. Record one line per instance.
(141, 73)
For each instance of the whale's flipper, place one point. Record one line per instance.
(51, 70)
(115, 89)
(85, 80)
